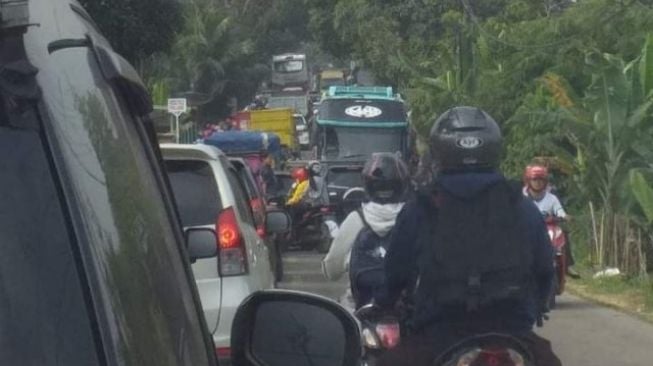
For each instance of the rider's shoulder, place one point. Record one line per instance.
(354, 217)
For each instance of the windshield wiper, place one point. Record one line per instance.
(353, 156)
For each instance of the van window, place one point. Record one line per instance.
(43, 315)
(240, 196)
(147, 308)
(196, 191)
(249, 184)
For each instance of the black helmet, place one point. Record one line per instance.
(385, 177)
(465, 138)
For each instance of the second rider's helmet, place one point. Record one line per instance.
(465, 138)
(300, 174)
(385, 178)
(533, 172)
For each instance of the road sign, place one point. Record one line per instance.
(177, 106)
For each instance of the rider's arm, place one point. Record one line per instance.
(401, 258)
(556, 207)
(335, 264)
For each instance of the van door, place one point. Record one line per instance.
(259, 260)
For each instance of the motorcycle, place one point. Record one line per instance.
(380, 331)
(310, 229)
(558, 241)
(491, 349)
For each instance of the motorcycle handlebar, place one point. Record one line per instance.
(553, 219)
(367, 309)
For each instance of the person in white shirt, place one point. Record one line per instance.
(386, 182)
(536, 187)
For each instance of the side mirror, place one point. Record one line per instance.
(202, 243)
(280, 328)
(277, 222)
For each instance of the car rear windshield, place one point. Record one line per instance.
(195, 190)
(345, 177)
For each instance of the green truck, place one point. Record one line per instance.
(351, 124)
(354, 122)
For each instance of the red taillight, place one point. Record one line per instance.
(223, 352)
(389, 334)
(231, 247)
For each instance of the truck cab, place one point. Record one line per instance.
(351, 124)
(290, 70)
(331, 77)
(354, 122)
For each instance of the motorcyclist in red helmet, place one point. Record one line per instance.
(536, 187)
(299, 188)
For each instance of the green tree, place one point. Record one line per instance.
(136, 28)
(609, 128)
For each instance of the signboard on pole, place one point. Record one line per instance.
(177, 106)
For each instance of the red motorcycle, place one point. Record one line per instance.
(558, 241)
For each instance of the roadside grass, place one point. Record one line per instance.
(631, 295)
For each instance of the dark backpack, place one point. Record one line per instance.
(367, 255)
(476, 255)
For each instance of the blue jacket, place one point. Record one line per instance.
(403, 252)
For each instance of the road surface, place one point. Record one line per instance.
(582, 333)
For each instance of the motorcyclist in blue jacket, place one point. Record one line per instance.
(478, 248)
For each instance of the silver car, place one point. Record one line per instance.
(208, 193)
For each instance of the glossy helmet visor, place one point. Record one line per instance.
(385, 177)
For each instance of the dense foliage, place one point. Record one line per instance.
(223, 51)
(568, 80)
(134, 29)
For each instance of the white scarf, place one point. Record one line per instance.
(381, 218)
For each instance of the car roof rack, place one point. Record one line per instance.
(14, 14)
(361, 91)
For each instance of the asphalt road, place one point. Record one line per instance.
(582, 333)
